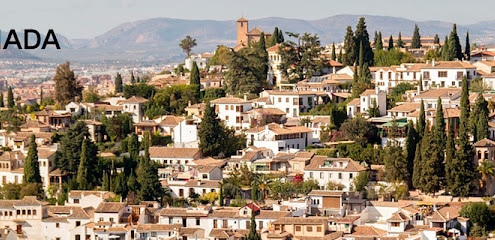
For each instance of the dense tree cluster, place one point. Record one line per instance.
(66, 86)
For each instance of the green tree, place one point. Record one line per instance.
(362, 37)
(487, 170)
(187, 44)
(133, 79)
(439, 129)
(280, 36)
(340, 57)
(431, 176)
(432, 54)
(349, 48)
(395, 163)
(274, 38)
(150, 188)
(301, 59)
(69, 153)
(31, 164)
(450, 167)
(416, 38)
(479, 118)
(379, 42)
(421, 123)
(436, 39)
(334, 56)
(134, 147)
(390, 43)
(374, 110)
(455, 50)
(418, 167)
(464, 172)
(445, 50)
(210, 133)
(2, 103)
(400, 43)
(66, 86)
(247, 71)
(195, 80)
(411, 143)
(253, 234)
(478, 213)
(10, 98)
(359, 130)
(221, 57)
(361, 181)
(119, 86)
(82, 172)
(467, 48)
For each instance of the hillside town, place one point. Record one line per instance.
(276, 138)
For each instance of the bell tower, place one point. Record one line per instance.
(242, 30)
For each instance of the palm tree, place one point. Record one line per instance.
(264, 185)
(487, 171)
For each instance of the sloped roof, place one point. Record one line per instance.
(157, 227)
(326, 193)
(110, 207)
(229, 100)
(485, 142)
(135, 99)
(164, 152)
(398, 217)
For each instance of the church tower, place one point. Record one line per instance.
(242, 30)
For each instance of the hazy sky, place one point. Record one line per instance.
(89, 18)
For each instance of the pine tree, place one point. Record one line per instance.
(31, 164)
(467, 48)
(418, 167)
(411, 143)
(2, 104)
(421, 123)
(450, 167)
(416, 38)
(334, 57)
(395, 163)
(82, 172)
(195, 79)
(133, 79)
(69, 153)
(400, 43)
(379, 42)
(66, 86)
(210, 133)
(436, 39)
(390, 43)
(463, 175)
(119, 87)
(362, 37)
(455, 50)
(10, 98)
(349, 47)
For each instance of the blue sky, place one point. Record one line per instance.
(89, 18)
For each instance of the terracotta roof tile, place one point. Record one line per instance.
(302, 220)
(168, 152)
(135, 99)
(229, 100)
(484, 143)
(158, 227)
(110, 207)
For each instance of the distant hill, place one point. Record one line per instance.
(14, 53)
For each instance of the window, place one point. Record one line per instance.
(279, 99)
(198, 221)
(57, 225)
(232, 107)
(442, 74)
(309, 228)
(23, 211)
(460, 75)
(340, 175)
(214, 223)
(426, 75)
(389, 75)
(101, 219)
(260, 225)
(18, 212)
(248, 224)
(310, 174)
(318, 228)
(205, 176)
(153, 234)
(78, 237)
(395, 224)
(321, 175)
(224, 223)
(78, 223)
(329, 175)
(111, 219)
(298, 228)
(286, 100)
(351, 175)
(381, 75)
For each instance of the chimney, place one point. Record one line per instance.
(419, 89)
(433, 62)
(71, 211)
(199, 182)
(188, 103)
(245, 97)
(448, 215)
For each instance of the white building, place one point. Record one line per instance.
(174, 157)
(293, 102)
(446, 74)
(200, 59)
(370, 98)
(387, 78)
(135, 106)
(275, 76)
(338, 170)
(280, 138)
(185, 134)
(232, 111)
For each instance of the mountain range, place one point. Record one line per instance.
(157, 39)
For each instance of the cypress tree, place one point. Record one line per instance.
(41, 96)
(10, 98)
(31, 164)
(432, 167)
(464, 172)
(339, 59)
(421, 123)
(416, 38)
(133, 79)
(436, 39)
(395, 163)
(362, 37)
(400, 43)
(467, 48)
(210, 133)
(375, 39)
(273, 38)
(439, 126)
(280, 36)
(349, 47)
(418, 165)
(253, 234)
(119, 87)
(479, 118)
(455, 50)
(82, 172)
(195, 79)
(361, 57)
(390, 43)
(334, 57)
(411, 143)
(150, 188)
(134, 147)
(450, 167)
(2, 104)
(379, 42)
(445, 50)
